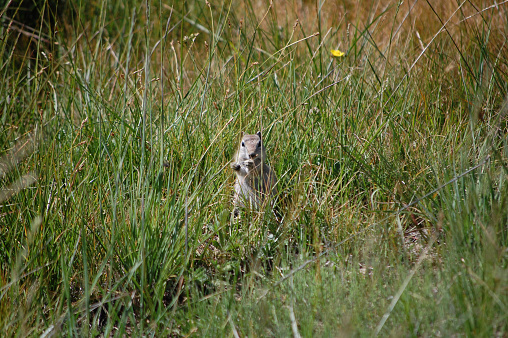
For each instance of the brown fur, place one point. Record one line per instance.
(255, 180)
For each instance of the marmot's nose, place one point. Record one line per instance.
(253, 155)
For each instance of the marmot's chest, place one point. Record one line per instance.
(255, 181)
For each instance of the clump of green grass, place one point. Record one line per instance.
(392, 165)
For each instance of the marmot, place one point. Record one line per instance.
(255, 180)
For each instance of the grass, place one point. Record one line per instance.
(392, 161)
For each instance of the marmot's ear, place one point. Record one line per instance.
(259, 134)
(243, 133)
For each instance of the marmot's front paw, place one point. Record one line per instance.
(235, 166)
(249, 164)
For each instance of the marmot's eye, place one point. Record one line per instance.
(243, 144)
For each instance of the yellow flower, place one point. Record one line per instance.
(337, 53)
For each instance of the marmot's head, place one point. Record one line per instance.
(251, 148)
